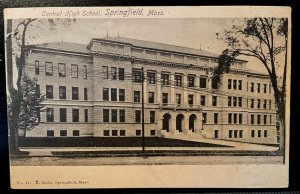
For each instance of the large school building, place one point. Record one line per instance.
(96, 90)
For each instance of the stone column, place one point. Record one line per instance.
(185, 124)
(173, 124)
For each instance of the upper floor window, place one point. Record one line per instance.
(105, 94)
(251, 103)
(121, 74)
(152, 116)
(136, 96)
(75, 94)
(114, 115)
(251, 87)
(137, 75)
(113, 94)
(234, 84)
(62, 92)
(234, 101)
(74, 70)
(122, 116)
(105, 115)
(50, 114)
(216, 120)
(165, 98)
(240, 85)
(150, 97)
(49, 68)
(104, 72)
(258, 103)
(258, 87)
(121, 94)
(265, 88)
(191, 81)
(202, 99)
(113, 73)
(151, 77)
(252, 119)
(85, 94)
(229, 83)
(61, 70)
(49, 91)
(165, 79)
(178, 99)
(229, 118)
(137, 116)
(86, 115)
(178, 80)
(240, 101)
(75, 115)
(204, 117)
(203, 82)
(63, 115)
(191, 99)
(37, 67)
(214, 100)
(84, 72)
(265, 104)
(229, 100)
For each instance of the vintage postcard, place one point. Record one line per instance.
(148, 97)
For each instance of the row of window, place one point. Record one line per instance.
(235, 84)
(63, 115)
(114, 116)
(235, 118)
(234, 101)
(113, 94)
(260, 103)
(258, 119)
(113, 74)
(254, 133)
(62, 133)
(62, 92)
(115, 132)
(258, 88)
(61, 69)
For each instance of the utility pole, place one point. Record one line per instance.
(143, 120)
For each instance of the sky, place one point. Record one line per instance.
(193, 33)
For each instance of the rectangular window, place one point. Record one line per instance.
(259, 133)
(202, 100)
(165, 79)
(204, 118)
(230, 133)
(105, 115)
(229, 83)
(252, 119)
(235, 118)
(252, 103)
(85, 94)
(49, 91)
(63, 133)
(74, 70)
(61, 70)
(258, 87)
(214, 101)
(113, 94)
(234, 101)
(37, 67)
(86, 115)
(62, 92)
(137, 75)
(234, 84)
(105, 94)
(265, 88)
(229, 118)
(121, 74)
(49, 68)
(114, 115)
(191, 99)
(138, 132)
(265, 133)
(137, 96)
(84, 72)
(151, 77)
(178, 99)
(216, 115)
(229, 100)
(235, 133)
(104, 72)
(122, 115)
(270, 104)
(191, 81)
(114, 133)
(240, 84)
(75, 133)
(105, 132)
(122, 132)
(137, 116)
(258, 103)
(240, 133)
(152, 132)
(122, 95)
(240, 118)
(270, 119)
(113, 73)
(152, 116)
(178, 80)
(252, 133)
(240, 101)
(203, 82)
(214, 84)
(75, 115)
(63, 115)
(75, 93)
(265, 119)
(252, 87)
(265, 104)
(150, 97)
(165, 98)
(258, 119)
(50, 114)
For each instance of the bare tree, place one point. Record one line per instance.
(265, 39)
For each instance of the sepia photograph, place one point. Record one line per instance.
(132, 86)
